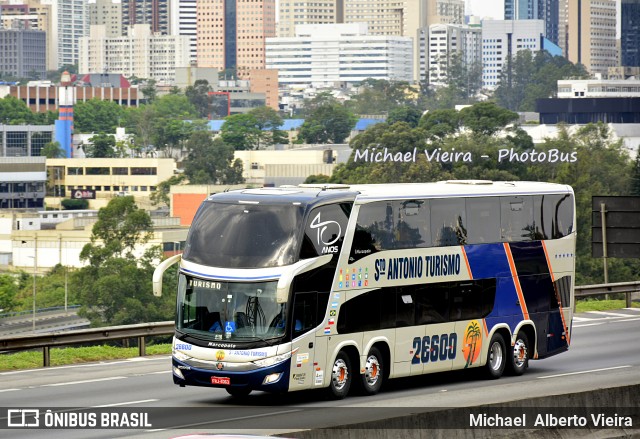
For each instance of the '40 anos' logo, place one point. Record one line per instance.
(327, 234)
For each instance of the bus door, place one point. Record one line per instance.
(308, 310)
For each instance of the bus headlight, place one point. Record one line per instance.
(266, 362)
(180, 356)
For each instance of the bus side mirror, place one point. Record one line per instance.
(284, 283)
(159, 272)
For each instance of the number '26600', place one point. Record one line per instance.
(434, 348)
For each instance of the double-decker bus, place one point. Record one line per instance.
(342, 287)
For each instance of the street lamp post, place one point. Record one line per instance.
(35, 267)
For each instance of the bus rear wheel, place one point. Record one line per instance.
(496, 357)
(341, 376)
(519, 360)
(373, 375)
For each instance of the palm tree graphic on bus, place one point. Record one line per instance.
(472, 342)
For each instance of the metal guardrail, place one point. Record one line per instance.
(53, 339)
(606, 289)
(143, 330)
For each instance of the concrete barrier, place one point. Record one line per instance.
(457, 423)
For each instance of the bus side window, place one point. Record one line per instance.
(472, 299)
(448, 222)
(516, 219)
(432, 303)
(483, 220)
(308, 311)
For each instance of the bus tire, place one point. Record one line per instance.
(373, 376)
(519, 359)
(341, 376)
(496, 357)
(238, 392)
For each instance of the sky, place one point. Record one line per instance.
(487, 8)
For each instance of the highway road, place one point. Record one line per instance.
(604, 352)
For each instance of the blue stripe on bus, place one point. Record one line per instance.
(215, 276)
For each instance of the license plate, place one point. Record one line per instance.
(225, 381)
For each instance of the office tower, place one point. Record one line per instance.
(547, 10)
(107, 13)
(592, 34)
(232, 33)
(183, 19)
(23, 52)
(70, 23)
(295, 12)
(155, 13)
(630, 33)
(521, 9)
(443, 41)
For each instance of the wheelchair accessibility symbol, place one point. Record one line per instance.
(230, 327)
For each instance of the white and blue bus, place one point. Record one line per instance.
(345, 286)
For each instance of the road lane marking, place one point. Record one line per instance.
(608, 314)
(588, 324)
(8, 390)
(117, 404)
(628, 320)
(262, 415)
(632, 309)
(584, 371)
(83, 382)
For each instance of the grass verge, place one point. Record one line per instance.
(603, 305)
(62, 356)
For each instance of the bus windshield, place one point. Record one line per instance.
(230, 311)
(245, 235)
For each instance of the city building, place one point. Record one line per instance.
(142, 53)
(630, 33)
(339, 54)
(70, 23)
(34, 15)
(547, 10)
(591, 101)
(47, 97)
(109, 14)
(154, 13)
(183, 20)
(592, 34)
(232, 33)
(503, 39)
(25, 140)
(23, 53)
(105, 178)
(295, 12)
(22, 182)
(443, 41)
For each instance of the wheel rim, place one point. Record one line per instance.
(495, 358)
(339, 374)
(519, 353)
(372, 371)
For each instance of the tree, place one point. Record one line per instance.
(115, 287)
(14, 111)
(405, 113)
(161, 194)
(96, 116)
(198, 95)
(486, 118)
(100, 146)
(459, 83)
(379, 96)
(149, 90)
(73, 204)
(328, 124)
(53, 150)
(8, 292)
(241, 131)
(441, 123)
(211, 161)
(635, 178)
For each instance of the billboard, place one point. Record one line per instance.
(621, 226)
(83, 194)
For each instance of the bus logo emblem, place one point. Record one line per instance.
(322, 227)
(472, 343)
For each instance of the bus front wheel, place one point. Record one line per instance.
(519, 358)
(341, 376)
(373, 372)
(496, 357)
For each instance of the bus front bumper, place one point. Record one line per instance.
(269, 379)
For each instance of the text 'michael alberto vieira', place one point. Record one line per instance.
(547, 420)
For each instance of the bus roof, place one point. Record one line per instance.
(311, 194)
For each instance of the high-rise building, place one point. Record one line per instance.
(630, 33)
(155, 13)
(107, 13)
(547, 10)
(23, 52)
(295, 12)
(592, 34)
(443, 41)
(31, 14)
(142, 53)
(70, 23)
(183, 19)
(232, 33)
(502, 40)
(325, 55)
